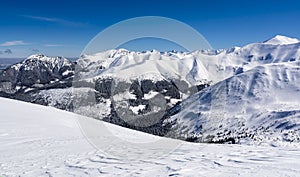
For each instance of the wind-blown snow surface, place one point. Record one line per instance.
(43, 141)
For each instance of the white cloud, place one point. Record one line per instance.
(55, 20)
(13, 43)
(53, 45)
(43, 18)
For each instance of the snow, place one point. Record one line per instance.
(28, 89)
(136, 109)
(173, 101)
(281, 40)
(197, 67)
(49, 62)
(58, 96)
(150, 95)
(67, 72)
(43, 141)
(254, 86)
(151, 65)
(263, 101)
(16, 66)
(97, 110)
(254, 97)
(124, 96)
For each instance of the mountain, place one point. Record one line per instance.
(260, 105)
(175, 94)
(281, 40)
(151, 64)
(35, 72)
(256, 101)
(134, 89)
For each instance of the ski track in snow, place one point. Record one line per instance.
(43, 141)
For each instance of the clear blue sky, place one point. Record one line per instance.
(65, 27)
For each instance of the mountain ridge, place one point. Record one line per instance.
(147, 90)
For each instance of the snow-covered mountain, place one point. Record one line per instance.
(192, 67)
(144, 65)
(35, 72)
(281, 40)
(261, 104)
(241, 94)
(257, 101)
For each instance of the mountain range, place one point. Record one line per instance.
(240, 95)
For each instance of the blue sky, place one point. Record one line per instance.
(65, 27)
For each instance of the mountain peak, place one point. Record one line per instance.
(36, 56)
(281, 40)
(44, 58)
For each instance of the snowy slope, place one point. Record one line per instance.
(260, 105)
(43, 141)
